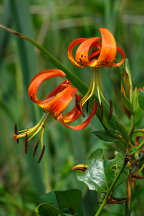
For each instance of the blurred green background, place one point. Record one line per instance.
(54, 24)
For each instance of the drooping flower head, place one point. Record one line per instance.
(96, 51)
(54, 104)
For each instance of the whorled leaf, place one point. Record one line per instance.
(106, 136)
(102, 171)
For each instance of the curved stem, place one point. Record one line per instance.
(111, 187)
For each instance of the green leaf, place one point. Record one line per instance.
(50, 198)
(66, 201)
(122, 130)
(127, 79)
(141, 99)
(23, 23)
(101, 171)
(126, 103)
(104, 135)
(135, 98)
(46, 209)
(4, 37)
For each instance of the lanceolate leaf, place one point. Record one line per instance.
(101, 171)
(104, 135)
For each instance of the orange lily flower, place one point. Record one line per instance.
(95, 52)
(54, 105)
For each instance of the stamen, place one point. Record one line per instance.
(41, 155)
(35, 149)
(90, 91)
(99, 90)
(110, 110)
(26, 143)
(87, 106)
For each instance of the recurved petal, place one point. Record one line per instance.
(70, 50)
(82, 53)
(75, 113)
(39, 79)
(108, 49)
(59, 102)
(123, 57)
(71, 116)
(85, 123)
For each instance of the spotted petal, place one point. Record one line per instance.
(70, 51)
(96, 51)
(82, 53)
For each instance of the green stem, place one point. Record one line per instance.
(128, 203)
(111, 187)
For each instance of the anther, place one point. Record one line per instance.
(26, 143)
(79, 106)
(87, 106)
(41, 155)
(35, 149)
(110, 110)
